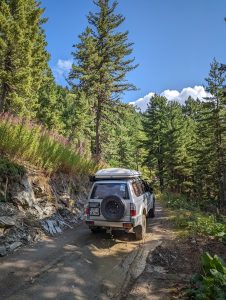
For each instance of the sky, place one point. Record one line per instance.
(174, 42)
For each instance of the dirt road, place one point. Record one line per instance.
(78, 265)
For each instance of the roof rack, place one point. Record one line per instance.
(116, 173)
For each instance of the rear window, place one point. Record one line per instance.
(102, 190)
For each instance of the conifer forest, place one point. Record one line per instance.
(179, 147)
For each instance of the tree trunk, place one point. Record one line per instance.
(97, 147)
(4, 93)
(5, 86)
(80, 147)
(220, 160)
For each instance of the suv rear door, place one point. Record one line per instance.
(102, 189)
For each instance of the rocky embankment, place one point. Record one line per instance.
(34, 204)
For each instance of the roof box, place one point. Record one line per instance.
(116, 173)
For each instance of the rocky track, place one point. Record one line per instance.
(78, 265)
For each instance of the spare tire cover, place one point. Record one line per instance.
(112, 208)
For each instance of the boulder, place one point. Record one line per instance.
(23, 194)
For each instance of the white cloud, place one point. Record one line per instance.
(174, 95)
(170, 94)
(143, 102)
(196, 92)
(63, 66)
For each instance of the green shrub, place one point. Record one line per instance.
(177, 201)
(211, 284)
(189, 216)
(199, 223)
(8, 168)
(207, 225)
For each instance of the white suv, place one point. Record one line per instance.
(119, 199)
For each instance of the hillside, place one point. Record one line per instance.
(34, 204)
(43, 183)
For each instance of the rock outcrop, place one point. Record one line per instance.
(36, 204)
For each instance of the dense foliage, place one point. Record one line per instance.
(186, 143)
(180, 145)
(211, 284)
(23, 58)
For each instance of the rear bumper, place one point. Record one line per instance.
(107, 224)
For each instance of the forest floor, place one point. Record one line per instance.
(170, 266)
(81, 265)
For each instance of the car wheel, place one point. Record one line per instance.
(140, 230)
(112, 208)
(151, 213)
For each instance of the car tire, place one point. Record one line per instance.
(151, 213)
(113, 208)
(140, 230)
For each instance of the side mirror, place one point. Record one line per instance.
(148, 187)
(91, 178)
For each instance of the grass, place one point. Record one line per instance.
(189, 218)
(26, 141)
(179, 201)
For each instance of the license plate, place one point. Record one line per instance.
(94, 211)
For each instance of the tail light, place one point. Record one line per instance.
(133, 211)
(87, 210)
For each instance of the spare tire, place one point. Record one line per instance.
(112, 208)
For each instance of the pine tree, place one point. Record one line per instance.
(51, 104)
(80, 116)
(191, 111)
(101, 65)
(217, 122)
(205, 184)
(168, 141)
(156, 129)
(122, 147)
(176, 156)
(23, 58)
(130, 151)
